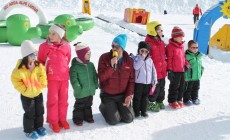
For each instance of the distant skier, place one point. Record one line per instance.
(196, 12)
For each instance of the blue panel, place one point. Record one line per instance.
(203, 29)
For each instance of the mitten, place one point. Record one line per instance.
(170, 75)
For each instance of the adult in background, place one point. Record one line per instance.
(116, 77)
(196, 12)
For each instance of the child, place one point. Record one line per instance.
(193, 75)
(145, 78)
(83, 78)
(176, 67)
(157, 53)
(55, 54)
(29, 79)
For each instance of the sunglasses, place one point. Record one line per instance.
(144, 51)
(115, 46)
(194, 47)
(88, 53)
(33, 55)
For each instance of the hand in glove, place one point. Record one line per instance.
(186, 67)
(170, 75)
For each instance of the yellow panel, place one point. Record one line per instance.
(220, 38)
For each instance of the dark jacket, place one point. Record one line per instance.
(119, 81)
(83, 78)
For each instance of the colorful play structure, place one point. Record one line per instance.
(86, 7)
(16, 28)
(221, 39)
(133, 15)
(203, 29)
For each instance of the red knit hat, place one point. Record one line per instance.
(177, 32)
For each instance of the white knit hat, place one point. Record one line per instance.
(58, 30)
(27, 47)
(80, 46)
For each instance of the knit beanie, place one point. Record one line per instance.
(58, 30)
(27, 47)
(121, 40)
(142, 45)
(81, 49)
(177, 32)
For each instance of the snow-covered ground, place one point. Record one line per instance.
(208, 121)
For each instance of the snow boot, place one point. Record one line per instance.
(41, 131)
(161, 104)
(64, 124)
(196, 102)
(188, 103)
(32, 135)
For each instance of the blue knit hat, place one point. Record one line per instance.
(121, 40)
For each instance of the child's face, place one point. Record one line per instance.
(54, 37)
(143, 52)
(193, 48)
(159, 31)
(178, 39)
(32, 57)
(87, 55)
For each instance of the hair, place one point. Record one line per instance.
(25, 62)
(191, 42)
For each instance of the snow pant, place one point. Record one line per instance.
(191, 90)
(57, 101)
(195, 18)
(112, 109)
(141, 92)
(34, 110)
(176, 87)
(159, 93)
(82, 109)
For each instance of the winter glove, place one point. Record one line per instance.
(186, 67)
(170, 75)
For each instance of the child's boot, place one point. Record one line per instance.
(161, 105)
(41, 131)
(32, 135)
(64, 124)
(55, 127)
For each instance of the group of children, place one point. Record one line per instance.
(184, 70)
(49, 67)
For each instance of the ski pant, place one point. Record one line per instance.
(112, 109)
(82, 109)
(191, 90)
(195, 18)
(176, 87)
(34, 110)
(141, 92)
(57, 101)
(159, 93)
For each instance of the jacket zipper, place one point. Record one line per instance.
(146, 73)
(88, 77)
